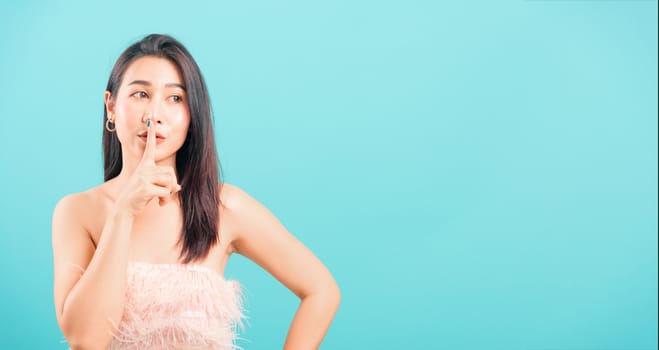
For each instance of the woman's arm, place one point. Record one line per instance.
(88, 300)
(90, 305)
(262, 238)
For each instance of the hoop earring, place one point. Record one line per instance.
(107, 126)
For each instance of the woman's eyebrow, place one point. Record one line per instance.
(176, 85)
(139, 82)
(146, 83)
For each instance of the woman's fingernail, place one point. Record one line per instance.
(148, 123)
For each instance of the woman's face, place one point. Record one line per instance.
(151, 88)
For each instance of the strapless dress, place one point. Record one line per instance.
(178, 307)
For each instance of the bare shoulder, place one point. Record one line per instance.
(237, 207)
(82, 200)
(227, 230)
(72, 204)
(68, 224)
(233, 201)
(81, 209)
(233, 197)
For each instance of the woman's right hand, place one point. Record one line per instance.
(148, 180)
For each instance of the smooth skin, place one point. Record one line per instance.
(137, 217)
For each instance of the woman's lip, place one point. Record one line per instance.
(158, 139)
(145, 134)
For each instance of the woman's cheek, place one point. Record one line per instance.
(181, 123)
(180, 119)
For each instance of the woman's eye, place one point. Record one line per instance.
(140, 94)
(176, 98)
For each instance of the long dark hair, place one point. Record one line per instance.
(196, 161)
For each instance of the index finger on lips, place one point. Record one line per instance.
(150, 148)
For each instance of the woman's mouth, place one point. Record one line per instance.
(159, 139)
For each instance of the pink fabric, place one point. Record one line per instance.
(177, 307)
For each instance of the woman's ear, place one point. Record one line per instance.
(109, 103)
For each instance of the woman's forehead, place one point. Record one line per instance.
(154, 71)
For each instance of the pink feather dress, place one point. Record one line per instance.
(178, 307)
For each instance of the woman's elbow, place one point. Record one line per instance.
(79, 339)
(331, 295)
(88, 342)
(336, 295)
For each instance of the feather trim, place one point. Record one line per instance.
(176, 306)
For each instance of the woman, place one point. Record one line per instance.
(139, 259)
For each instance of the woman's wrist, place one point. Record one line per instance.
(120, 213)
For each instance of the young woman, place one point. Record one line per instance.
(139, 260)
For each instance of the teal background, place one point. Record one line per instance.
(476, 175)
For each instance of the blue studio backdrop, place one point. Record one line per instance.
(476, 175)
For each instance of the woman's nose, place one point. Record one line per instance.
(154, 116)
